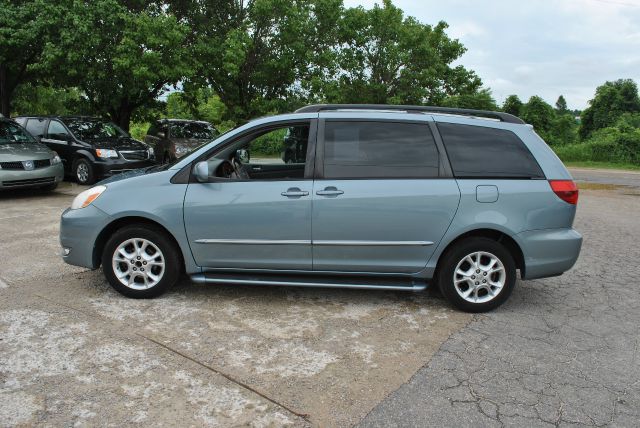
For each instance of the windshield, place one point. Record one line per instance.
(199, 130)
(12, 133)
(91, 129)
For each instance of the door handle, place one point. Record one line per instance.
(330, 191)
(293, 192)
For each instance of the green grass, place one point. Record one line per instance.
(603, 165)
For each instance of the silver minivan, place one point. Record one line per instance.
(386, 198)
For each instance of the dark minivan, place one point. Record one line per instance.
(90, 148)
(173, 138)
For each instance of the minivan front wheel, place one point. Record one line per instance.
(84, 172)
(477, 274)
(141, 261)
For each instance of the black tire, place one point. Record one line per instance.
(456, 254)
(80, 176)
(167, 248)
(50, 187)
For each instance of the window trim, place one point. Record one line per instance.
(309, 164)
(444, 171)
(490, 177)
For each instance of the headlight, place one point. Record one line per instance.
(55, 160)
(106, 153)
(181, 150)
(87, 197)
(150, 150)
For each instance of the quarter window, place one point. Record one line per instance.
(478, 151)
(379, 150)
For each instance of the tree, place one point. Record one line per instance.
(383, 57)
(512, 105)
(481, 100)
(26, 28)
(138, 52)
(202, 104)
(561, 105)
(539, 114)
(611, 101)
(44, 100)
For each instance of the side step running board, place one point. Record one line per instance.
(365, 283)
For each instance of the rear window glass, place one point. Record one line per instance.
(36, 127)
(477, 151)
(379, 150)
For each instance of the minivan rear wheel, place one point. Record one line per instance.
(141, 261)
(477, 274)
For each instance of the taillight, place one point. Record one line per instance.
(566, 190)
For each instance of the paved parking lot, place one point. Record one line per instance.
(562, 351)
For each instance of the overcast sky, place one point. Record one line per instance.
(539, 47)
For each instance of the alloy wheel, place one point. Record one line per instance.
(479, 277)
(138, 264)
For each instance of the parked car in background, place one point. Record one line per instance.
(24, 162)
(173, 138)
(90, 148)
(386, 198)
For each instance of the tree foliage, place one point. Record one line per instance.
(611, 101)
(561, 105)
(512, 105)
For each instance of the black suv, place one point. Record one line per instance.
(90, 148)
(173, 138)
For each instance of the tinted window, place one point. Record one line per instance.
(36, 127)
(476, 151)
(379, 150)
(57, 130)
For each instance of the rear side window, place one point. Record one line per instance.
(379, 150)
(477, 151)
(36, 127)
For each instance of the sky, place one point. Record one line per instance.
(539, 47)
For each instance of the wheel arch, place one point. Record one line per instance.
(121, 222)
(496, 235)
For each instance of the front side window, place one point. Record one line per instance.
(57, 130)
(271, 154)
(12, 133)
(92, 129)
(483, 152)
(379, 150)
(36, 127)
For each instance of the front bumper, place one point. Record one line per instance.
(79, 230)
(549, 252)
(16, 179)
(110, 167)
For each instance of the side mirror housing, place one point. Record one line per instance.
(201, 171)
(243, 156)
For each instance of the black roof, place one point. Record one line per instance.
(55, 116)
(503, 117)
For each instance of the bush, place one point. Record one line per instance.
(138, 130)
(612, 145)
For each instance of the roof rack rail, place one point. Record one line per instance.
(503, 117)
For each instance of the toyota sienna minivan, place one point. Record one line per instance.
(386, 198)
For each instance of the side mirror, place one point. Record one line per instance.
(201, 171)
(243, 156)
(161, 134)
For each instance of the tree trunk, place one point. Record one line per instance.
(122, 115)
(5, 93)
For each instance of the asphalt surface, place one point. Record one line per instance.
(562, 351)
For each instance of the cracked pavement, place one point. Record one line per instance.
(562, 351)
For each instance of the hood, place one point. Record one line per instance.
(128, 174)
(120, 143)
(13, 152)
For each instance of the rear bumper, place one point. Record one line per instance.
(549, 252)
(79, 230)
(16, 179)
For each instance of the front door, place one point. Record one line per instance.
(382, 205)
(57, 138)
(244, 219)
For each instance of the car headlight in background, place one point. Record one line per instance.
(85, 198)
(181, 151)
(106, 153)
(55, 160)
